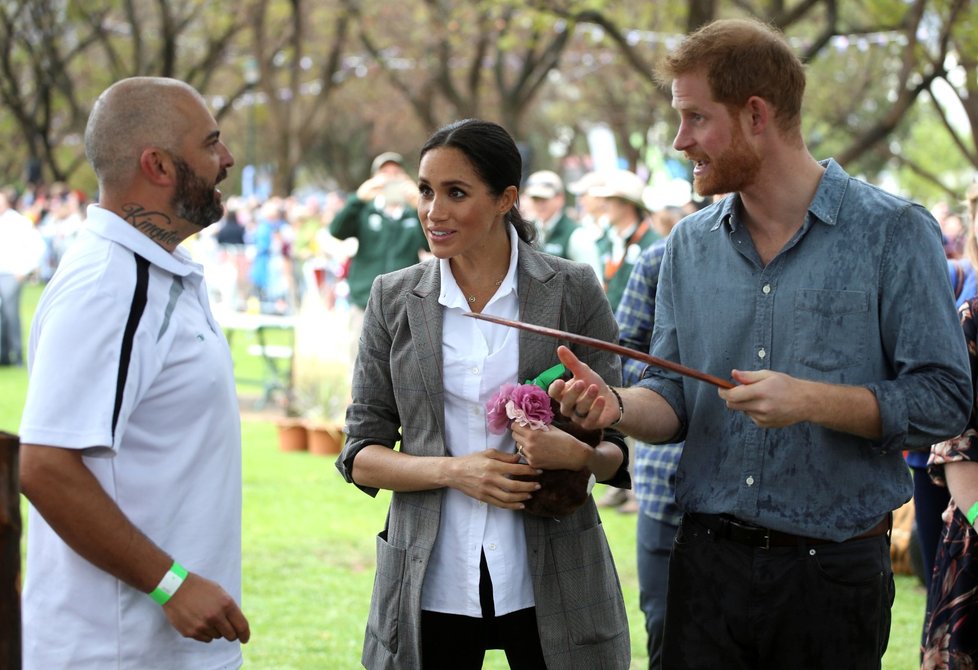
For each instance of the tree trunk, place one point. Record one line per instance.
(701, 12)
(9, 553)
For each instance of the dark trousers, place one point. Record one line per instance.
(735, 607)
(11, 350)
(455, 642)
(929, 503)
(654, 540)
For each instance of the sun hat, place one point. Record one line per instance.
(386, 157)
(587, 182)
(623, 184)
(543, 184)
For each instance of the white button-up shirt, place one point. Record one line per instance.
(478, 358)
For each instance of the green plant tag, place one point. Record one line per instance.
(547, 377)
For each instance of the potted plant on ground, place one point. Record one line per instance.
(322, 366)
(292, 433)
(324, 389)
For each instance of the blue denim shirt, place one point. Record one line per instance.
(858, 296)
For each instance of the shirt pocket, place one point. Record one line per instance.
(831, 328)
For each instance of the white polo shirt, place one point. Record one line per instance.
(152, 405)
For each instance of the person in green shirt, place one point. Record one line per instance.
(557, 233)
(382, 215)
(628, 229)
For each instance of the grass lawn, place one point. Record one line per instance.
(309, 550)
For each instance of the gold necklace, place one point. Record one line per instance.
(471, 298)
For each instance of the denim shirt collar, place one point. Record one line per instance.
(824, 207)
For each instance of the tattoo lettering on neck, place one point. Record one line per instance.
(149, 224)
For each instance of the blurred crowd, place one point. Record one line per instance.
(268, 256)
(265, 256)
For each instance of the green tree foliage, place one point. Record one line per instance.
(318, 88)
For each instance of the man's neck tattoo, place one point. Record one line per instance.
(148, 223)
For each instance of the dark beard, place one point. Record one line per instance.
(194, 198)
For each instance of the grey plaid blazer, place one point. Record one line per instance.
(398, 395)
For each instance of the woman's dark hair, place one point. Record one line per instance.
(494, 157)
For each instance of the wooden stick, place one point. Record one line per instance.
(608, 346)
(10, 653)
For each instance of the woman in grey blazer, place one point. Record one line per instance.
(460, 567)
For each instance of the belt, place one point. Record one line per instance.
(731, 528)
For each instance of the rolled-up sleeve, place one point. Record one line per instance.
(372, 417)
(930, 395)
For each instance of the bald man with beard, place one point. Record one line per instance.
(131, 440)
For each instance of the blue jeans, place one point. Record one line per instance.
(654, 545)
(930, 501)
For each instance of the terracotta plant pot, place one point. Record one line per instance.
(325, 439)
(292, 435)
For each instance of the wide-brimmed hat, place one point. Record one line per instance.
(623, 184)
(587, 182)
(384, 158)
(543, 184)
(675, 192)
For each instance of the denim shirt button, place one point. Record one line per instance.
(766, 289)
(750, 480)
(761, 353)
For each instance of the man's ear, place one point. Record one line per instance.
(759, 112)
(156, 166)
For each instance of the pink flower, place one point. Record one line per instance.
(527, 404)
(530, 405)
(496, 415)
